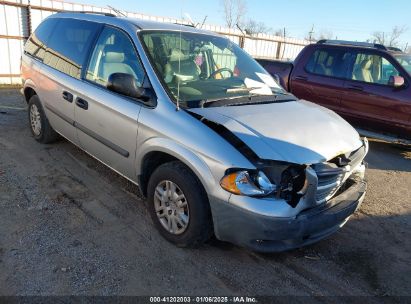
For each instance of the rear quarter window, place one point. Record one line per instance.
(329, 62)
(37, 43)
(69, 45)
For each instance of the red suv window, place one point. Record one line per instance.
(331, 62)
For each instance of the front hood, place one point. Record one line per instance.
(295, 131)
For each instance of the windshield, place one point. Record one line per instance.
(197, 68)
(405, 61)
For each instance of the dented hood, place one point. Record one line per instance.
(295, 131)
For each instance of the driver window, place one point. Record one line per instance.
(373, 69)
(114, 53)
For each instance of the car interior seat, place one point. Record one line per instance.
(363, 72)
(324, 68)
(114, 62)
(180, 66)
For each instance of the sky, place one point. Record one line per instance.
(345, 19)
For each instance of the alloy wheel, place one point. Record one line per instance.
(35, 120)
(171, 207)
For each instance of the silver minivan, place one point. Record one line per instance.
(211, 139)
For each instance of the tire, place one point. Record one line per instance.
(39, 124)
(199, 227)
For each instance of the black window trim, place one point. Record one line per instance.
(328, 47)
(146, 79)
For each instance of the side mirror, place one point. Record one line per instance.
(126, 84)
(396, 81)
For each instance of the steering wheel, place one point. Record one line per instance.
(221, 70)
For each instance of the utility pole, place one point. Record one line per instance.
(310, 33)
(282, 56)
(29, 27)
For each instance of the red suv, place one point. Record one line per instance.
(367, 84)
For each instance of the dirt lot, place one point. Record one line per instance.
(68, 225)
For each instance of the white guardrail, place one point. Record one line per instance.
(19, 18)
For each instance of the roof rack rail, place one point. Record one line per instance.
(353, 43)
(90, 12)
(395, 49)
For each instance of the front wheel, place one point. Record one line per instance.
(179, 206)
(39, 124)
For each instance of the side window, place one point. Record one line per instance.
(373, 68)
(329, 62)
(114, 53)
(69, 45)
(37, 43)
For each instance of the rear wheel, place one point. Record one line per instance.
(179, 206)
(39, 124)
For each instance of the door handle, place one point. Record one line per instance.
(81, 103)
(355, 88)
(302, 78)
(68, 96)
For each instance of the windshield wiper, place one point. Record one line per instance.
(274, 91)
(204, 102)
(250, 98)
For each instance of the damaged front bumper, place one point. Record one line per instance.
(264, 233)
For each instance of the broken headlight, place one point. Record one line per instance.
(282, 180)
(248, 183)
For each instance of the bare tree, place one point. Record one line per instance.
(234, 12)
(252, 27)
(325, 34)
(389, 39)
(396, 33)
(278, 32)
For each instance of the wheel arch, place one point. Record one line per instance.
(28, 93)
(156, 152)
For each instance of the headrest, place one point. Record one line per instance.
(176, 55)
(366, 64)
(114, 55)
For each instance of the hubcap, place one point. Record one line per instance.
(171, 207)
(35, 120)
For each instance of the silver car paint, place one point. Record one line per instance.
(296, 132)
(51, 84)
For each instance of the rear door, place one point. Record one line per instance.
(369, 102)
(320, 78)
(65, 56)
(107, 122)
(34, 51)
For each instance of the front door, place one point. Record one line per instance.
(107, 122)
(369, 102)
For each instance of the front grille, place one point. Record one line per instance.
(331, 174)
(328, 184)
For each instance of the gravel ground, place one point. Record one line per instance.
(68, 225)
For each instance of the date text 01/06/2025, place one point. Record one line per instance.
(236, 299)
